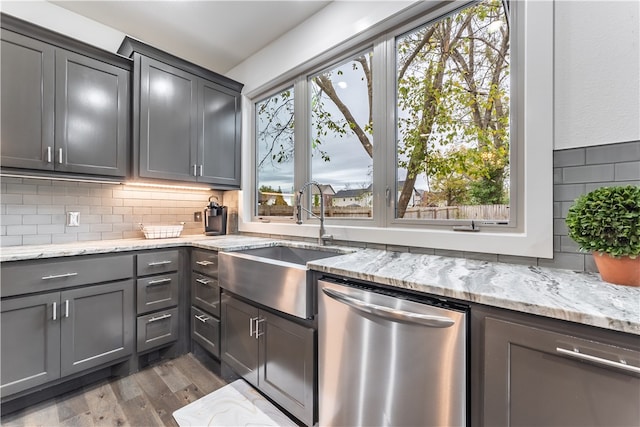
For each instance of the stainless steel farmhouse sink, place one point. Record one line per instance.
(275, 276)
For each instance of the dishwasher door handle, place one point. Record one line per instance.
(390, 313)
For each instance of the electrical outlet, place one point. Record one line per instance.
(197, 216)
(73, 219)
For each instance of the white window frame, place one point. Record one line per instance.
(532, 234)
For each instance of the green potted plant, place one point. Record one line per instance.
(606, 222)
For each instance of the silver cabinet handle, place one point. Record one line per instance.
(390, 313)
(157, 263)
(195, 172)
(202, 318)
(203, 282)
(200, 169)
(251, 320)
(55, 314)
(155, 319)
(59, 276)
(158, 281)
(258, 334)
(60, 155)
(204, 263)
(66, 308)
(622, 364)
(48, 154)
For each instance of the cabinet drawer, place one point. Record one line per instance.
(205, 293)
(24, 277)
(205, 262)
(158, 262)
(205, 331)
(157, 292)
(157, 329)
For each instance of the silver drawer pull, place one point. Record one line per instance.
(203, 282)
(55, 314)
(205, 263)
(575, 353)
(157, 263)
(159, 281)
(66, 308)
(155, 319)
(202, 318)
(59, 276)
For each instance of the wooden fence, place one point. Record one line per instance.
(487, 212)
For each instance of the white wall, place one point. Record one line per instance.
(331, 26)
(58, 19)
(597, 72)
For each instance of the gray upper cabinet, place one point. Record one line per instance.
(27, 120)
(168, 133)
(65, 105)
(188, 126)
(219, 136)
(92, 115)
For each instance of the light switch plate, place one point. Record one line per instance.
(73, 219)
(197, 216)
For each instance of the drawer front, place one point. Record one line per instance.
(157, 329)
(24, 277)
(205, 331)
(205, 293)
(157, 292)
(158, 262)
(205, 262)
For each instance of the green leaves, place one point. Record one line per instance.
(607, 220)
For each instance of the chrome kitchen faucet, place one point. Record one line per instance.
(323, 236)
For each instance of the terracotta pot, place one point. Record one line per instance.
(620, 271)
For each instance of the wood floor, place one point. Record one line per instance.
(146, 398)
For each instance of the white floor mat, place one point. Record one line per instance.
(236, 404)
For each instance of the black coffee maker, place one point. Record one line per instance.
(215, 218)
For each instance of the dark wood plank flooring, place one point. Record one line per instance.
(146, 398)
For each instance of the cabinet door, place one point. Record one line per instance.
(286, 364)
(30, 352)
(27, 119)
(219, 135)
(239, 343)
(168, 122)
(92, 116)
(97, 325)
(536, 377)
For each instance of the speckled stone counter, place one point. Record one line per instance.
(555, 293)
(559, 294)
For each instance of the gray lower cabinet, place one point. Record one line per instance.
(30, 342)
(52, 335)
(205, 300)
(271, 352)
(534, 376)
(62, 110)
(157, 299)
(96, 325)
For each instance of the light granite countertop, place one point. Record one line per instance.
(554, 293)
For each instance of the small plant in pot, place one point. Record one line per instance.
(606, 222)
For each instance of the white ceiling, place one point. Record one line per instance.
(215, 34)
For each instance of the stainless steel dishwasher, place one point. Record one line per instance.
(385, 359)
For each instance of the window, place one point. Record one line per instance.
(341, 136)
(453, 127)
(488, 168)
(275, 154)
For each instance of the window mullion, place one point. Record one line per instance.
(302, 153)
